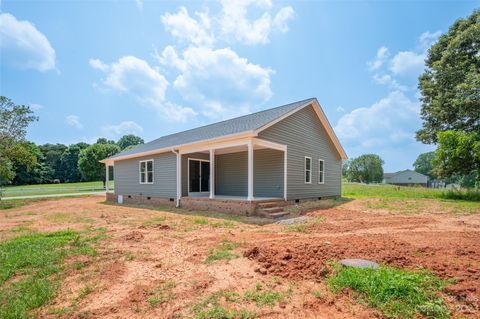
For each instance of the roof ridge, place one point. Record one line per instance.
(233, 118)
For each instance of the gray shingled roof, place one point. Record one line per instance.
(388, 175)
(233, 126)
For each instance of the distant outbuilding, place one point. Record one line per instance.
(405, 178)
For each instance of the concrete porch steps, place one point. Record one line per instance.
(271, 211)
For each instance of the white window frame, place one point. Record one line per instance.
(305, 170)
(146, 171)
(321, 173)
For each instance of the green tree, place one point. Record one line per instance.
(88, 160)
(103, 140)
(39, 173)
(424, 164)
(52, 157)
(458, 154)
(14, 120)
(69, 163)
(128, 141)
(367, 168)
(449, 87)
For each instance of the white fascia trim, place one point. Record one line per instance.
(269, 144)
(176, 147)
(323, 119)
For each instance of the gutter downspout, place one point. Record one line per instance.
(179, 163)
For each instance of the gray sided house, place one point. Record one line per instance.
(405, 178)
(284, 154)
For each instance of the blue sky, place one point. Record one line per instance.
(108, 68)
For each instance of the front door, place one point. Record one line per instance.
(198, 176)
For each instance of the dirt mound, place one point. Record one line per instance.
(452, 256)
(307, 260)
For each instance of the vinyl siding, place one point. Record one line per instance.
(232, 173)
(127, 176)
(304, 135)
(268, 171)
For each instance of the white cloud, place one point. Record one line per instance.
(282, 17)
(185, 28)
(427, 39)
(136, 77)
(387, 79)
(36, 107)
(98, 64)
(114, 131)
(380, 58)
(408, 63)
(235, 22)
(23, 46)
(220, 81)
(340, 109)
(74, 120)
(392, 120)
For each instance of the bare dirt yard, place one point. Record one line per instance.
(154, 263)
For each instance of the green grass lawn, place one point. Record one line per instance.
(31, 266)
(48, 189)
(352, 190)
(408, 200)
(396, 292)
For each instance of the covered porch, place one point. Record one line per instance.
(244, 170)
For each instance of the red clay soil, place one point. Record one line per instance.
(139, 254)
(449, 254)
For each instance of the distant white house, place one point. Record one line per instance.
(405, 178)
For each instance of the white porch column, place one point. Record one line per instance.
(179, 177)
(250, 170)
(285, 174)
(212, 173)
(107, 177)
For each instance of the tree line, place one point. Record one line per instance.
(24, 163)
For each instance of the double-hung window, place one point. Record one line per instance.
(146, 172)
(321, 171)
(308, 170)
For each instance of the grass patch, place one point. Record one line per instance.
(356, 190)
(223, 224)
(154, 220)
(15, 203)
(28, 268)
(265, 296)
(468, 195)
(162, 293)
(398, 293)
(223, 251)
(304, 227)
(296, 228)
(48, 189)
(215, 306)
(397, 205)
(316, 293)
(200, 221)
(85, 291)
